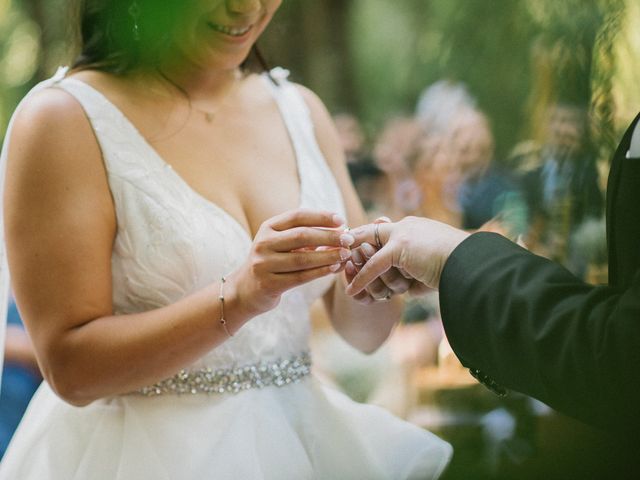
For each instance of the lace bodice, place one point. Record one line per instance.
(171, 241)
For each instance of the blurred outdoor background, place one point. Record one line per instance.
(499, 115)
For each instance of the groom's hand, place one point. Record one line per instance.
(389, 284)
(417, 247)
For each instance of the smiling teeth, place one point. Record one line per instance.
(233, 31)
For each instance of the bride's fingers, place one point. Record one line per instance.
(287, 281)
(357, 258)
(307, 237)
(305, 218)
(374, 268)
(299, 261)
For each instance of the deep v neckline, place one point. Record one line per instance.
(166, 166)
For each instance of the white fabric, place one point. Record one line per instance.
(634, 149)
(171, 242)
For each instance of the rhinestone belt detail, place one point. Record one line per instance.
(233, 380)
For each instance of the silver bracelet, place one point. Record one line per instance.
(223, 321)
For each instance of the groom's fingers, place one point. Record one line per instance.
(366, 233)
(392, 279)
(381, 262)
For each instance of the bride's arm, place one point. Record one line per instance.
(60, 228)
(365, 327)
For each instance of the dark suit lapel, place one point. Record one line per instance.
(623, 224)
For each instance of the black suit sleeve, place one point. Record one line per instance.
(535, 328)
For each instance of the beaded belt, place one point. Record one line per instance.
(233, 380)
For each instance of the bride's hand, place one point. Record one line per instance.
(285, 254)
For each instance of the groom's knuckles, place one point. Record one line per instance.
(396, 282)
(377, 289)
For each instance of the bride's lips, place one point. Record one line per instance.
(232, 33)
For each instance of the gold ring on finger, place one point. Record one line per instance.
(376, 234)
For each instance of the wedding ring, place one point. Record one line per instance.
(376, 233)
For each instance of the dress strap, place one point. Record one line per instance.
(292, 106)
(112, 129)
(297, 117)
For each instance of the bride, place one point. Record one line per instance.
(169, 219)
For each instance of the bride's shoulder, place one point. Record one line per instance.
(50, 130)
(45, 113)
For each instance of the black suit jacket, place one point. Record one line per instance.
(530, 325)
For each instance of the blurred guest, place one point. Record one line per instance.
(351, 137)
(489, 198)
(367, 178)
(461, 182)
(439, 109)
(561, 183)
(393, 153)
(440, 103)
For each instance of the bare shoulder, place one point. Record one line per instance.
(316, 107)
(53, 154)
(48, 123)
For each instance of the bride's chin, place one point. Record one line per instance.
(224, 62)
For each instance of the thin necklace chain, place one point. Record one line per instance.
(209, 115)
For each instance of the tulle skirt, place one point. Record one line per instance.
(300, 431)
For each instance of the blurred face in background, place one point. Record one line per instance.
(565, 130)
(351, 135)
(471, 144)
(220, 34)
(396, 145)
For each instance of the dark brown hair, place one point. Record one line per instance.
(118, 36)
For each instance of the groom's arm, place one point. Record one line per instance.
(533, 327)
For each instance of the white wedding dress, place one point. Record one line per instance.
(249, 409)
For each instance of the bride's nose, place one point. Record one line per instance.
(243, 7)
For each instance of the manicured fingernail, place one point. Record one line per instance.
(356, 257)
(368, 250)
(334, 268)
(338, 220)
(385, 219)
(345, 254)
(350, 269)
(346, 240)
